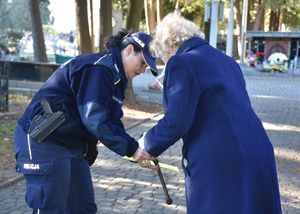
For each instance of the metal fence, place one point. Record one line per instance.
(4, 72)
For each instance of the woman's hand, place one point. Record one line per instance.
(144, 158)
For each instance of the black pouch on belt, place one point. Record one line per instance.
(43, 125)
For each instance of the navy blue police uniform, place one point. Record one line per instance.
(89, 90)
(228, 160)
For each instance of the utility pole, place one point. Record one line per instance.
(229, 39)
(213, 13)
(213, 35)
(244, 29)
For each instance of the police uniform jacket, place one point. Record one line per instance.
(228, 159)
(89, 90)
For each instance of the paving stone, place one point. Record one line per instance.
(124, 187)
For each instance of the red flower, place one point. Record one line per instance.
(260, 54)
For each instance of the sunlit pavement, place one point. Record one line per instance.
(124, 187)
(277, 102)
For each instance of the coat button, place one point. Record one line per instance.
(185, 162)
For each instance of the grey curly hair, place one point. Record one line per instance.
(171, 32)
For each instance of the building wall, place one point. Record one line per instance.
(277, 45)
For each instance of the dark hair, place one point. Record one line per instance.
(120, 40)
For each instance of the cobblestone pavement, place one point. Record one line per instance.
(277, 102)
(124, 187)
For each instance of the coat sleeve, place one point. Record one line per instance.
(181, 96)
(94, 92)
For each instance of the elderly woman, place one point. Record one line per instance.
(228, 160)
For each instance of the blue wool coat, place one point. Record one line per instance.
(228, 159)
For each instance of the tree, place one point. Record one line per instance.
(237, 5)
(37, 32)
(150, 15)
(14, 22)
(91, 23)
(276, 7)
(105, 22)
(83, 36)
(259, 21)
(134, 15)
(159, 10)
(274, 19)
(14, 15)
(291, 15)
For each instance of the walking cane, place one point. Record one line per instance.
(159, 166)
(164, 186)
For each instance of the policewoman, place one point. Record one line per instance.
(89, 91)
(228, 159)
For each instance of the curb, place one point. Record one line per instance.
(18, 178)
(266, 74)
(11, 182)
(4, 114)
(142, 121)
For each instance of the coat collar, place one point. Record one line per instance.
(191, 43)
(117, 58)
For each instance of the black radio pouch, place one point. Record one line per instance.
(42, 125)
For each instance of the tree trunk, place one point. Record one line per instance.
(150, 15)
(37, 32)
(262, 23)
(91, 24)
(159, 10)
(277, 22)
(249, 19)
(271, 20)
(83, 36)
(105, 22)
(274, 20)
(135, 8)
(282, 11)
(238, 14)
(134, 15)
(147, 15)
(259, 16)
(177, 5)
(237, 4)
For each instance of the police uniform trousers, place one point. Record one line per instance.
(58, 179)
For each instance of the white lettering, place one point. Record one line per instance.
(140, 42)
(31, 166)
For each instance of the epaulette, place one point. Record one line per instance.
(108, 62)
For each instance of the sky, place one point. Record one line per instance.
(63, 12)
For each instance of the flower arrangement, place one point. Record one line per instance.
(260, 56)
(277, 62)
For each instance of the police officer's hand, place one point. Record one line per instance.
(90, 153)
(143, 158)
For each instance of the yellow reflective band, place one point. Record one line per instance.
(161, 165)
